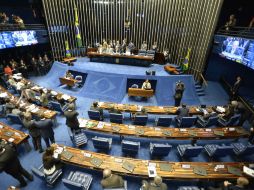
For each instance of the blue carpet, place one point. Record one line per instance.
(110, 85)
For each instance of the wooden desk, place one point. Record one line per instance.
(67, 81)
(70, 59)
(57, 95)
(18, 136)
(32, 108)
(124, 59)
(164, 132)
(140, 92)
(140, 170)
(167, 110)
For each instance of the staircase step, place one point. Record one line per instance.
(198, 86)
(200, 94)
(200, 90)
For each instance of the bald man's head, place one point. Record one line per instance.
(106, 173)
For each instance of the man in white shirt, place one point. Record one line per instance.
(146, 85)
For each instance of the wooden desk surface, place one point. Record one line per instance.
(164, 132)
(32, 108)
(96, 54)
(69, 59)
(180, 170)
(67, 81)
(140, 92)
(18, 136)
(57, 95)
(169, 110)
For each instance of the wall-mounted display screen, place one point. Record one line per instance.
(236, 49)
(12, 39)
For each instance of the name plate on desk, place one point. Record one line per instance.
(219, 133)
(167, 133)
(193, 133)
(116, 128)
(96, 161)
(234, 170)
(166, 167)
(199, 171)
(139, 131)
(8, 133)
(67, 155)
(128, 166)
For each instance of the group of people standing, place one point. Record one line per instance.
(113, 46)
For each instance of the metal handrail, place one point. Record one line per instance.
(201, 75)
(13, 27)
(244, 32)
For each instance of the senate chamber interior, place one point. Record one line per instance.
(126, 94)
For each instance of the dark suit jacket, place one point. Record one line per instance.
(33, 130)
(45, 127)
(114, 181)
(9, 161)
(97, 109)
(152, 186)
(229, 112)
(72, 119)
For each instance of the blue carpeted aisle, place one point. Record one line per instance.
(110, 85)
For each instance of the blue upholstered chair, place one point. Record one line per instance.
(57, 107)
(79, 138)
(188, 188)
(79, 80)
(231, 122)
(186, 121)
(140, 120)
(78, 180)
(207, 123)
(243, 149)
(163, 121)
(130, 147)
(188, 150)
(102, 143)
(95, 115)
(15, 119)
(116, 117)
(50, 180)
(121, 188)
(214, 150)
(160, 149)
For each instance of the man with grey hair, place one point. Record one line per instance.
(156, 184)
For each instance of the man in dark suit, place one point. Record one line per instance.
(229, 112)
(111, 180)
(154, 185)
(46, 130)
(182, 112)
(95, 107)
(179, 89)
(33, 131)
(72, 118)
(10, 163)
(239, 108)
(235, 88)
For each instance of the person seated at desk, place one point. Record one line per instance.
(131, 46)
(111, 180)
(229, 112)
(44, 98)
(118, 47)
(17, 111)
(27, 93)
(9, 106)
(96, 108)
(72, 118)
(154, 46)
(142, 112)
(241, 184)
(182, 111)
(50, 163)
(8, 70)
(144, 46)
(239, 108)
(146, 85)
(156, 184)
(68, 75)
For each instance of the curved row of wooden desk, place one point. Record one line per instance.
(139, 168)
(15, 136)
(169, 110)
(164, 132)
(32, 108)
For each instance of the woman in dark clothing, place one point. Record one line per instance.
(50, 163)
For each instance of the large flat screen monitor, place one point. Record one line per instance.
(240, 50)
(12, 39)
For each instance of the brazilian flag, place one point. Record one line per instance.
(77, 31)
(67, 49)
(185, 65)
